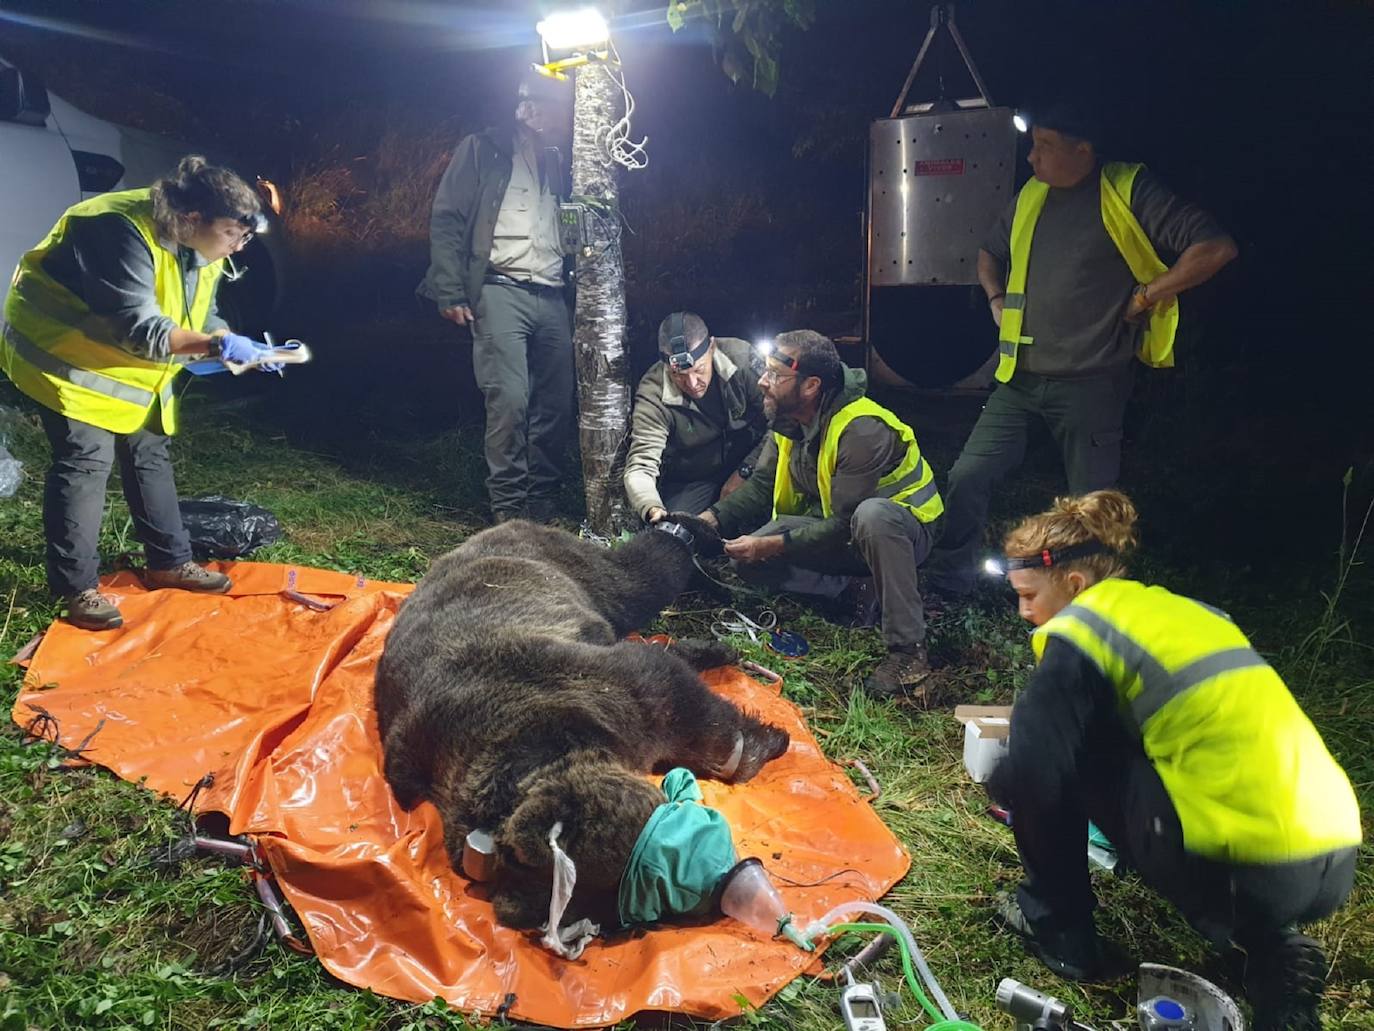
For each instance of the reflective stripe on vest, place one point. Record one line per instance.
(36, 356)
(69, 359)
(1158, 686)
(911, 484)
(1156, 347)
(1247, 772)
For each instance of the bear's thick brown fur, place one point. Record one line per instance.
(506, 697)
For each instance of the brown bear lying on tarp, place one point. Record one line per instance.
(506, 697)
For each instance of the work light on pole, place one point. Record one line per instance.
(583, 30)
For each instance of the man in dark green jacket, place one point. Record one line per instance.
(496, 266)
(698, 420)
(840, 492)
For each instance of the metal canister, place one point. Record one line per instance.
(479, 856)
(1164, 1014)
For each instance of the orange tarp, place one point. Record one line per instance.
(275, 699)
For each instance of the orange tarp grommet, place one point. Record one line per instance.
(274, 697)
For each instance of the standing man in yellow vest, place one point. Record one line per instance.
(840, 494)
(1075, 282)
(1151, 715)
(99, 319)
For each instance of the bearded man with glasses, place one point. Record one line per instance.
(841, 504)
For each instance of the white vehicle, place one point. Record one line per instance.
(55, 155)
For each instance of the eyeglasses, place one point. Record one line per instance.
(773, 376)
(250, 226)
(238, 234)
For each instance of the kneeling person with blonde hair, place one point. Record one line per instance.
(1151, 714)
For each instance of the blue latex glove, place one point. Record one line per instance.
(236, 348)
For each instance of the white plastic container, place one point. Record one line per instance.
(986, 732)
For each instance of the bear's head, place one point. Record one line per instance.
(602, 807)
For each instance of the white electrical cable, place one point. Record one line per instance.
(618, 146)
(848, 909)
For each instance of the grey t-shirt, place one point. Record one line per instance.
(1078, 284)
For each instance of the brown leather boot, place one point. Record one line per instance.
(189, 576)
(902, 672)
(91, 610)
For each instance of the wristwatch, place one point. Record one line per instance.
(746, 470)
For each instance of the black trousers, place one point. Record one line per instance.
(1118, 788)
(1083, 415)
(74, 499)
(689, 495)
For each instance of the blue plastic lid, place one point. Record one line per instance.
(788, 643)
(1169, 1009)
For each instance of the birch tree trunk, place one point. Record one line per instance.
(603, 389)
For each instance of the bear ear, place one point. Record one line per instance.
(526, 831)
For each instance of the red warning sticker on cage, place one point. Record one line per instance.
(940, 166)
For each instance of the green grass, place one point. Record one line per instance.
(93, 935)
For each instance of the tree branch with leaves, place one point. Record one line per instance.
(747, 34)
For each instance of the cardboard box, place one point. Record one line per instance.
(986, 729)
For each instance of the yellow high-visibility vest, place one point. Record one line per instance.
(69, 359)
(1156, 347)
(1250, 777)
(911, 484)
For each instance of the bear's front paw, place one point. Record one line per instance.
(701, 654)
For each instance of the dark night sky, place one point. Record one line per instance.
(1260, 110)
(1229, 100)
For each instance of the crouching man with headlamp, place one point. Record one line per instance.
(698, 421)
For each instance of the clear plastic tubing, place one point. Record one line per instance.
(848, 909)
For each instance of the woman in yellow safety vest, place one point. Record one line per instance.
(99, 320)
(1150, 714)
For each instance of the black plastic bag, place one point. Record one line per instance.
(222, 527)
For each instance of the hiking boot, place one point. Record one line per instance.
(91, 610)
(902, 672)
(1284, 981)
(1075, 953)
(189, 576)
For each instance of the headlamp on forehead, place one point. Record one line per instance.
(770, 352)
(256, 223)
(680, 357)
(1049, 558)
